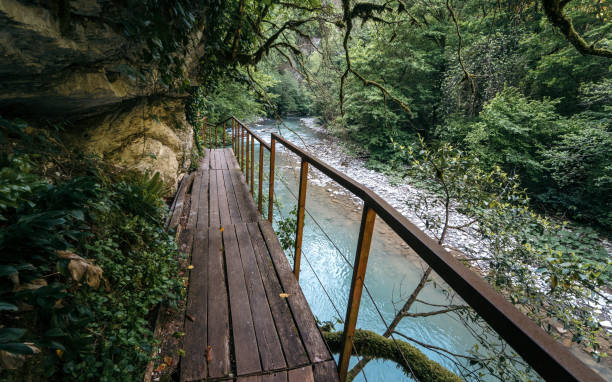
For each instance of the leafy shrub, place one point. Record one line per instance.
(512, 131)
(580, 165)
(83, 261)
(563, 162)
(553, 272)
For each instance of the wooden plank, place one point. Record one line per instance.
(213, 159)
(193, 363)
(206, 160)
(192, 218)
(218, 315)
(252, 378)
(315, 346)
(213, 201)
(229, 155)
(248, 211)
(245, 342)
(326, 372)
(222, 195)
(202, 212)
(268, 343)
(280, 376)
(231, 198)
(232, 161)
(176, 209)
(295, 353)
(303, 374)
(219, 159)
(186, 236)
(226, 158)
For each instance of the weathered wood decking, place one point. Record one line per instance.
(237, 325)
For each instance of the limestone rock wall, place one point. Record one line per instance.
(70, 60)
(147, 136)
(63, 67)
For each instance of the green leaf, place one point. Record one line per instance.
(11, 334)
(5, 306)
(55, 332)
(16, 348)
(7, 270)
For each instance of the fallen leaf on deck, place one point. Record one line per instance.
(161, 367)
(284, 295)
(208, 353)
(190, 267)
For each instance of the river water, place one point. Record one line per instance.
(329, 245)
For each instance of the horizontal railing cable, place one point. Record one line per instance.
(330, 300)
(387, 327)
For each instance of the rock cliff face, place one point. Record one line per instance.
(66, 59)
(148, 136)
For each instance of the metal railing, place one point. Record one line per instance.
(548, 357)
(211, 136)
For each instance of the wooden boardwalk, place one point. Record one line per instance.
(246, 317)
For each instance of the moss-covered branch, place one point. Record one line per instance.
(554, 12)
(373, 345)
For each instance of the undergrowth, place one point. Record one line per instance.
(84, 259)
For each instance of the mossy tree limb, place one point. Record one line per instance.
(554, 12)
(370, 344)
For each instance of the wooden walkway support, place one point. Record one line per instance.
(246, 318)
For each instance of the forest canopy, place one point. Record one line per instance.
(515, 83)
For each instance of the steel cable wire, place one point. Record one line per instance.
(364, 284)
(332, 302)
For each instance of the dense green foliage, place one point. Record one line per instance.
(513, 241)
(84, 259)
(501, 83)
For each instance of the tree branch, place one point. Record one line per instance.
(554, 13)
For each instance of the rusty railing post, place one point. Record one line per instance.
(299, 232)
(252, 163)
(241, 147)
(248, 153)
(204, 132)
(234, 136)
(216, 129)
(359, 271)
(224, 129)
(260, 184)
(271, 180)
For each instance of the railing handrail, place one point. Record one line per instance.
(257, 137)
(548, 357)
